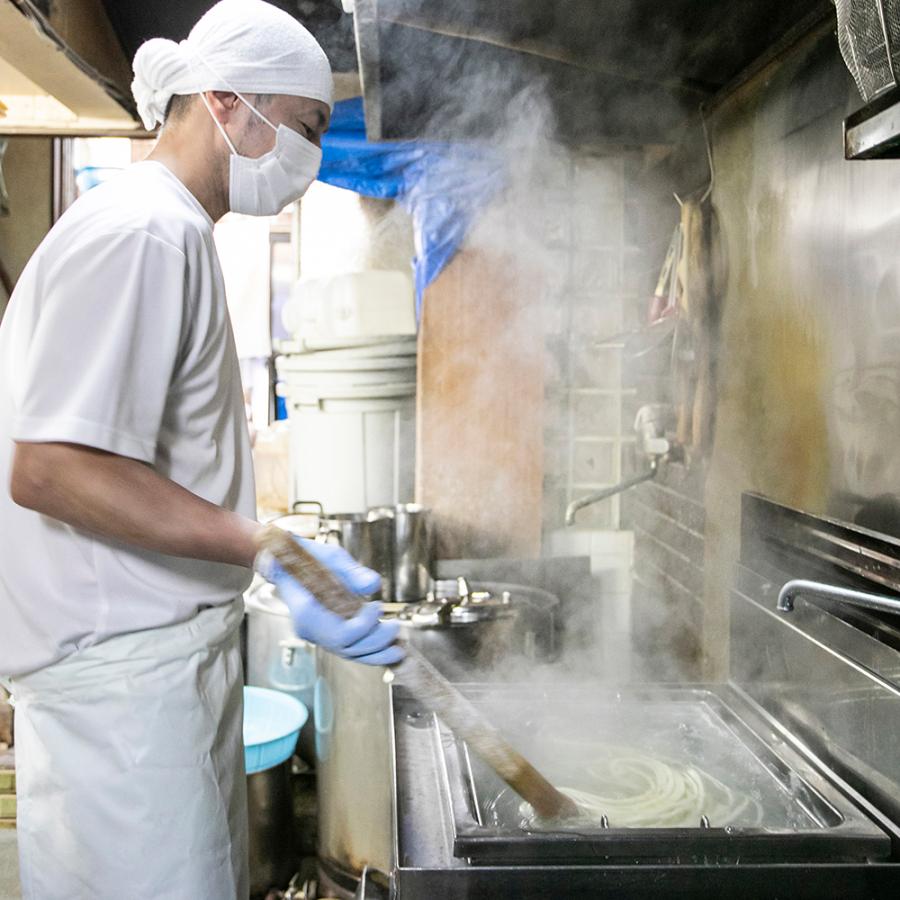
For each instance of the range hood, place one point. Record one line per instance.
(603, 71)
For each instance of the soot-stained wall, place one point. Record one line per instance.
(808, 407)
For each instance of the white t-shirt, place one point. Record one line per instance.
(117, 336)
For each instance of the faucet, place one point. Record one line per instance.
(798, 586)
(596, 497)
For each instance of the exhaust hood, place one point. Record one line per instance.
(611, 72)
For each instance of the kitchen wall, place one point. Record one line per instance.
(586, 300)
(666, 516)
(523, 386)
(809, 350)
(28, 170)
(608, 226)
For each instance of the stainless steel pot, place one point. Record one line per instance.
(487, 630)
(413, 552)
(352, 767)
(367, 537)
(272, 841)
(277, 658)
(498, 623)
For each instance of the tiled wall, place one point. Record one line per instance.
(588, 300)
(666, 515)
(596, 294)
(669, 522)
(646, 546)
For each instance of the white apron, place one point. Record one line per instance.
(130, 768)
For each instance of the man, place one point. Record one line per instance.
(128, 525)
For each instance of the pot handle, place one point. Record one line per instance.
(289, 648)
(328, 535)
(297, 506)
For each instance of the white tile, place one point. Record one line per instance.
(612, 543)
(569, 542)
(600, 178)
(615, 580)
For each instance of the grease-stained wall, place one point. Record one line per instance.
(809, 356)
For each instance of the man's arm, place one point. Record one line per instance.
(128, 501)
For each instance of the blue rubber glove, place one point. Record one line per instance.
(364, 638)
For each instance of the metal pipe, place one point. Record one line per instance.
(798, 586)
(591, 499)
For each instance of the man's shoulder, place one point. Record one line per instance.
(140, 201)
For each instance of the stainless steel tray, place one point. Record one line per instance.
(803, 817)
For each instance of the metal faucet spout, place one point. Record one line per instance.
(792, 589)
(591, 499)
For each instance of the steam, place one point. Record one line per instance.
(578, 233)
(582, 231)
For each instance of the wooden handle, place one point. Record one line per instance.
(429, 687)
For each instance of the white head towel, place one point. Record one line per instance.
(239, 45)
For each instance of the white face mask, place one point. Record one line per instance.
(266, 185)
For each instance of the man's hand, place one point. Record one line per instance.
(128, 501)
(364, 638)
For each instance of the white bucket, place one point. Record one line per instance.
(352, 424)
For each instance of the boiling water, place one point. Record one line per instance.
(644, 765)
(628, 789)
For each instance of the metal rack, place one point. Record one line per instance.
(869, 38)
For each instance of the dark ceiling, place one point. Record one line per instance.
(627, 71)
(136, 21)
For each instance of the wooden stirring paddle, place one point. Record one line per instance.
(426, 684)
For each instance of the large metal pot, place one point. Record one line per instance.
(413, 552)
(368, 538)
(277, 658)
(353, 766)
(273, 850)
(469, 640)
(484, 629)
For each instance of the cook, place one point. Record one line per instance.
(128, 514)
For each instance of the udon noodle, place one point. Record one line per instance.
(636, 790)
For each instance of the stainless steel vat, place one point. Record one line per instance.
(498, 623)
(443, 848)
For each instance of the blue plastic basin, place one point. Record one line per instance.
(272, 723)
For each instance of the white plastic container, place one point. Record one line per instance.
(351, 307)
(352, 424)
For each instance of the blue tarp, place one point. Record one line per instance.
(441, 185)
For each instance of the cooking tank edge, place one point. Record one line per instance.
(754, 730)
(457, 879)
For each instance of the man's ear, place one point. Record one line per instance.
(223, 104)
